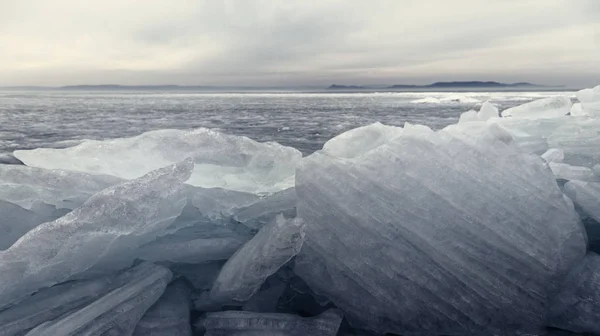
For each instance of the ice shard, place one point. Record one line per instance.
(488, 111)
(567, 172)
(450, 232)
(470, 115)
(265, 210)
(221, 161)
(273, 246)
(116, 313)
(586, 195)
(577, 306)
(170, 315)
(16, 221)
(551, 107)
(242, 323)
(98, 237)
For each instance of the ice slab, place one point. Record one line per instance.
(360, 140)
(273, 246)
(98, 237)
(577, 110)
(586, 195)
(474, 234)
(193, 251)
(170, 315)
(554, 155)
(567, 172)
(577, 306)
(488, 111)
(265, 210)
(590, 101)
(25, 186)
(468, 116)
(16, 221)
(201, 276)
(242, 323)
(116, 313)
(221, 161)
(551, 107)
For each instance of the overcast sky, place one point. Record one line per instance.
(303, 42)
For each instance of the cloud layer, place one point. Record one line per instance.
(312, 42)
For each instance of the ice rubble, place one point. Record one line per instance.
(221, 161)
(466, 224)
(544, 108)
(590, 101)
(586, 195)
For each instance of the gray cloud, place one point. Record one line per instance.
(269, 42)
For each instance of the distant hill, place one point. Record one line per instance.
(442, 85)
(111, 87)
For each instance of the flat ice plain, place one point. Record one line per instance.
(486, 223)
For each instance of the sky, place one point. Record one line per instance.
(291, 43)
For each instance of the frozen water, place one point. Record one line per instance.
(24, 186)
(273, 246)
(577, 110)
(101, 235)
(473, 234)
(264, 211)
(554, 155)
(170, 315)
(116, 313)
(16, 221)
(586, 195)
(242, 323)
(488, 111)
(361, 140)
(590, 101)
(577, 306)
(201, 276)
(567, 172)
(221, 161)
(544, 108)
(192, 251)
(470, 115)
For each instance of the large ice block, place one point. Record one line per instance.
(360, 140)
(116, 313)
(273, 246)
(265, 210)
(25, 186)
(590, 101)
(554, 155)
(170, 315)
(98, 237)
(437, 233)
(222, 161)
(577, 306)
(240, 323)
(488, 111)
(551, 107)
(568, 172)
(468, 116)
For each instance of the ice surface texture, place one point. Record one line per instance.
(447, 232)
(224, 161)
(586, 195)
(544, 108)
(274, 245)
(590, 101)
(238, 323)
(16, 221)
(577, 306)
(116, 313)
(99, 235)
(170, 315)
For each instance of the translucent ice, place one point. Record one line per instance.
(470, 115)
(16, 221)
(99, 236)
(264, 211)
(192, 251)
(577, 110)
(223, 161)
(242, 323)
(116, 313)
(568, 172)
(170, 315)
(590, 101)
(586, 195)
(544, 108)
(554, 155)
(447, 232)
(361, 140)
(24, 186)
(577, 306)
(488, 111)
(274, 245)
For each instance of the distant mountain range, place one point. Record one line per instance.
(441, 85)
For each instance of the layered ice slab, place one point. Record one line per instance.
(170, 315)
(117, 312)
(437, 233)
(273, 246)
(577, 306)
(590, 101)
(551, 107)
(98, 237)
(25, 186)
(16, 221)
(586, 195)
(240, 323)
(221, 161)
